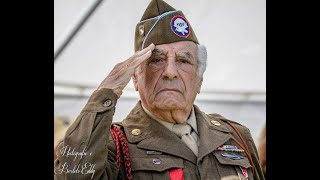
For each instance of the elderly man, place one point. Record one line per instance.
(165, 136)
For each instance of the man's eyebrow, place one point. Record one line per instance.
(187, 54)
(158, 52)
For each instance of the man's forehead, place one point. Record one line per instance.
(186, 53)
(183, 46)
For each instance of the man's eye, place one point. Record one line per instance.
(156, 60)
(184, 61)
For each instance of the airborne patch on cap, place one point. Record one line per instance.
(180, 26)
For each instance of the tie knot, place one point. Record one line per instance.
(181, 129)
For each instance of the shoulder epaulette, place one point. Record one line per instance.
(215, 115)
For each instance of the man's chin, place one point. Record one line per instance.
(169, 104)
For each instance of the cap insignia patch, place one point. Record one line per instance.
(180, 26)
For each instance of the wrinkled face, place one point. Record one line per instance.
(168, 80)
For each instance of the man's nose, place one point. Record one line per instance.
(170, 71)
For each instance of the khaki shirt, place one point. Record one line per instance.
(88, 151)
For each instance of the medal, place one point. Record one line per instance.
(244, 172)
(230, 148)
(232, 156)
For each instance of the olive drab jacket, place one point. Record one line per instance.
(88, 150)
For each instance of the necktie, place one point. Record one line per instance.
(184, 133)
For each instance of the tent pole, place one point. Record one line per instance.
(72, 31)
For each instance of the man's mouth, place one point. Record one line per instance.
(169, 89)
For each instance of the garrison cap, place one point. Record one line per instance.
(162, 24)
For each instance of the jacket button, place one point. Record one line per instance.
(214, 122)
(136, 132)
(107, 103)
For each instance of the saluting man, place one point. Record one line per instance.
(165, 136)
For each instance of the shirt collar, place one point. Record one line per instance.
(192, 121)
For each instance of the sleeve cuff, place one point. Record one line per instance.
(101, 100)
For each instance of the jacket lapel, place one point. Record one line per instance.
(154, 136)
(211, 136)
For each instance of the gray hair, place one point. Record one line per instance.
(202, 59)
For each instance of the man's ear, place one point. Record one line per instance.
(200, 84)
(135, 81)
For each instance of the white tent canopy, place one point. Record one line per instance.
(234, 33)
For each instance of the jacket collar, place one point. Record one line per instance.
(154, 136)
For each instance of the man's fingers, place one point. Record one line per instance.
(121, 74)
(140, 59)
(137, 58)
(133, 58)
(143, 51)
(137, 61)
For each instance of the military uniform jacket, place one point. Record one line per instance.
(89, 152)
